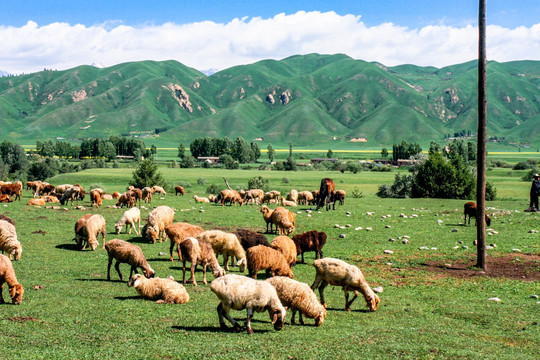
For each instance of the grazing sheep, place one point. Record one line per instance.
(81, 221)
(212, 198)
(338, 273)
(8, 240)
(115, 195)
(7, 275)
(60, 189)
(95, 198)
(469, 209)
(147, 195)
(284, 220)
(126, 200)
(240, 292)
(130, 218)
(8, 219)
(72, 194)
(125, 252)
(230, 196)
(199, 252)
(201, 199)
(339, 196)
(226, 244)
(36, 202)
(267, 215)
(310, 241)
(89, 232)
(157, 220)
(158, 189)
(254, 196)
(305, 197)
(164, 291)
(46, 189)
(179, 190)
(271, 195)
(287, 247)
(178, 232)
(249, 238)
(293, 196)
(315, 194)
(298, 296)
(287, 202)
(263, 257)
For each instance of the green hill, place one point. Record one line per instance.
(308, 99)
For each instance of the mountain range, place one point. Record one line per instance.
(306, 100)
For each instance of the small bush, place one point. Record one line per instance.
(213, 189)
(201, 181)
(285, 180)
(258, 182)
(96, 186)
(184, 184)
(356, 193)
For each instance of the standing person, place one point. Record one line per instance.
(535, 191)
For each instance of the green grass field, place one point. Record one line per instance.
(71, 311)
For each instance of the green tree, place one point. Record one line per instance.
(187, 162)
(147, 174)
(255, 152)
(329, 154)
(228, 162)
(271, 152)
(109, 151)
(241, 150)
(258, 182)
(41, 170)
(153, 150)
(181, 151)
(384, 153)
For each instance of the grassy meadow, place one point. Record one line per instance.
(71, 311)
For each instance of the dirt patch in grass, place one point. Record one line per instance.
(512, 266)
(23, 319)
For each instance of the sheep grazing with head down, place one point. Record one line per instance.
(240, 292)
(8, 240)
(179, 190)
(124, 252)
(287, 247)
(305, 197)
(310, 241)
(89, 232)
(126, 200)
(199, 252)
(253, 196)
(339, 196)
(95, 197)
(298, 296)
(147, 195)
(293, 196)
(177, 232)
(7, 275)
(338, 273)
(157, 220)
(249, 238)
(470, 210)
(262, 257)
(158, 189)
(226, 244)
(131, 219)
(230, 196)
(284, 220)
(163, 291)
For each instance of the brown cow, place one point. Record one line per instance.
(14, 190)
(326, 194)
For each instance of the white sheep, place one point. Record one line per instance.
(8, 240)
(293, 196)
(199, 199)
(298, 296)
(130, 218)
(157, 220)
(164, 291)
(158, 189)
(89, 232)
(305, 197)
(287, 202)
(226, 244)
(7, 275)
(199, 252)
(125, 252)
(240, 292)
(339, 273)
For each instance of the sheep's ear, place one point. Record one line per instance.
(275, 316)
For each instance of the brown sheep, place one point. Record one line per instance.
(267, 215)
(339, 196)
(263, 257)
(36, 202)
(5, 198)
(13, 190)
(124, 252)
(8, 219)
(177, 232)
(7, 275)
(310, 241)
(469, 209)
(230, 196)
(95, 198)
(179, 190)
(199, 252)
(287, 247)
(284, 220)
(249, 238)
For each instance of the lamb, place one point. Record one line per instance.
(287, 202)
(36, 202)
(226, 244)
(199, 252)
(305, 197)
(262, 257)
(254, 196)
(178, 232)
(271, 195)
(179, 190)
(338, 273)
(130, 218)
(8, 240)
(136, 194)
(212, 198)
(267, 215)
(125, 200)
(293, 196)
(125, 252)
(201, 199)
(95, 198)
(469, 209)
(164, 291)
(240, 292)
(158, 189)
(298, 296)
(339, 196)
(310, 241)
(249, 238)
(287, 247)
(7, 275)
(71, 194)
(230, 196)
(89, 232)
(284, 220)
(147, 195)
(157, 220)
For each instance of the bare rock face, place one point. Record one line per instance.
(181, 96)
(270, 99)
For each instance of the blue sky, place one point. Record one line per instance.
(216, 34)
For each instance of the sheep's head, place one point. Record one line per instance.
(118, 227)
(17, 252)
(286, 272)
(278, 319)
(373, 302)
(149, 273)
(264, 209)
(320, 318)
(135, 280)
(218, 272)
(16, 292)
(242, 264)
(152, 233)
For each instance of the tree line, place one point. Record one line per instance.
(239, 149)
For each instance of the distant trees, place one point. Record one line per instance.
(13, 161)
(147, 174)
(405, 150)
(240, 150)
(271, 152)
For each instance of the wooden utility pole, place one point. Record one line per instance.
(481, 156)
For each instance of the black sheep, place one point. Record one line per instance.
(249, 238)
(310, 241)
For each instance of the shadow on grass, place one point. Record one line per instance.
(352, 310)
(123, 298)
(215, 329)
(104, 280)
(71, 247)
(138, 240)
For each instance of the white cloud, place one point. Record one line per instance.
(205, 45)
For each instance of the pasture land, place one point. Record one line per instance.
(428, 310)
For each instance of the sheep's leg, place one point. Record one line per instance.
(347, 302)
(109, 268)
(301, 319)
(293, 317)
(1, 297)
(303, 262)
(171, 251)
(226, 261)
(204, 275)
(321, 292)
(193, 268)
(222, 313)
(117, 267)
(184, 272)
(135, 228)
(248, 321)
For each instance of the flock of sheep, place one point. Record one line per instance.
(245, 248)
